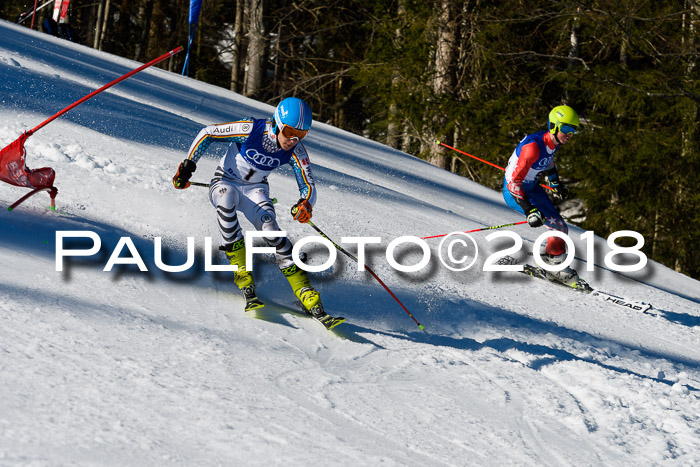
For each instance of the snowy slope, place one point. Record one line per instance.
(155, 368)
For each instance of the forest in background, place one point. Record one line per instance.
(476, 75)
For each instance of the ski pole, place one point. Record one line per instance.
(339, 248)
(482, 160)
(479, 230)
(109, 85)
(32, 11)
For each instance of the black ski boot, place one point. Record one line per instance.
(252, 301)
(327, 320)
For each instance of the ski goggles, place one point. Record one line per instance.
(567, 129)
(291, 132)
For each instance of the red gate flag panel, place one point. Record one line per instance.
(14, 171)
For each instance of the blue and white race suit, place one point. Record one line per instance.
(240, 180)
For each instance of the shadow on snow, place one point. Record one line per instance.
(370, 309)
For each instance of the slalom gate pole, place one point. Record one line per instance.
(53, 191)
(339, 248)
(106, 86)
(15, 151)
(32, 13)
(479, 230)
(481, 160)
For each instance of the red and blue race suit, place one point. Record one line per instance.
(521, 189)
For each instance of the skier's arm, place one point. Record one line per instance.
(551, 173)
(559, 190)
(302, 171)
(233, 132)
(528, 155)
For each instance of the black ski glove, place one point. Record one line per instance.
(534, 218)
(181, 180)
(559, 190)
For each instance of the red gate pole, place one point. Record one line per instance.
(481, 160)
(106, 86)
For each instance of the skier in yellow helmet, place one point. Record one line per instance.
(533, 156)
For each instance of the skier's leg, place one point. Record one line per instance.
(510, 201)
(225, 197)
(256, 205)
(258, 208)
(555, 249)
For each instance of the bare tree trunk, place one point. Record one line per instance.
(623, 46)
(405, 137)
(689, 44)
(573, 48)
(455, 159)
(468, 66)
(474, 56)
(690, 118)
(655, 240)
(236, 56)
(277, 79)
(246, 26)
(144, 18)
(339, 114)
(443, 79)
(573, 39)
(103, 29)
(98, 24)
(256, 50)
(623, 52)
(445, 48)
(392, 134)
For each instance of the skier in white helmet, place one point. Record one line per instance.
(256, 148)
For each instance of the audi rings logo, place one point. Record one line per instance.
(261, 159)
(546, 161)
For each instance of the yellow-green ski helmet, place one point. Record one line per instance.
(563, 118)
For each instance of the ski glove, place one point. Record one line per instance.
(302, 211)
(534, 218)
(559, 191)
(181, 180)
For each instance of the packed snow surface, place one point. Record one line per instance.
(126, 367)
